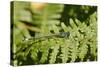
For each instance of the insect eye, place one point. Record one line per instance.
(64, 34)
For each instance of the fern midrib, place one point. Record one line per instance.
(44, 20)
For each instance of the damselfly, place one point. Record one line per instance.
(57, 35)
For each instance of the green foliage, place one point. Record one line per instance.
(79, 46)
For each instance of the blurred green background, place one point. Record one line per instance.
(29, 19)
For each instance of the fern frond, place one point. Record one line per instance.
(53, 54)
(44, 51)
(73, 51)
(34, 55)
(48, 16)
(65, 51)
(83, 50)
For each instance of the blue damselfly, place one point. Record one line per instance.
(57, 35)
